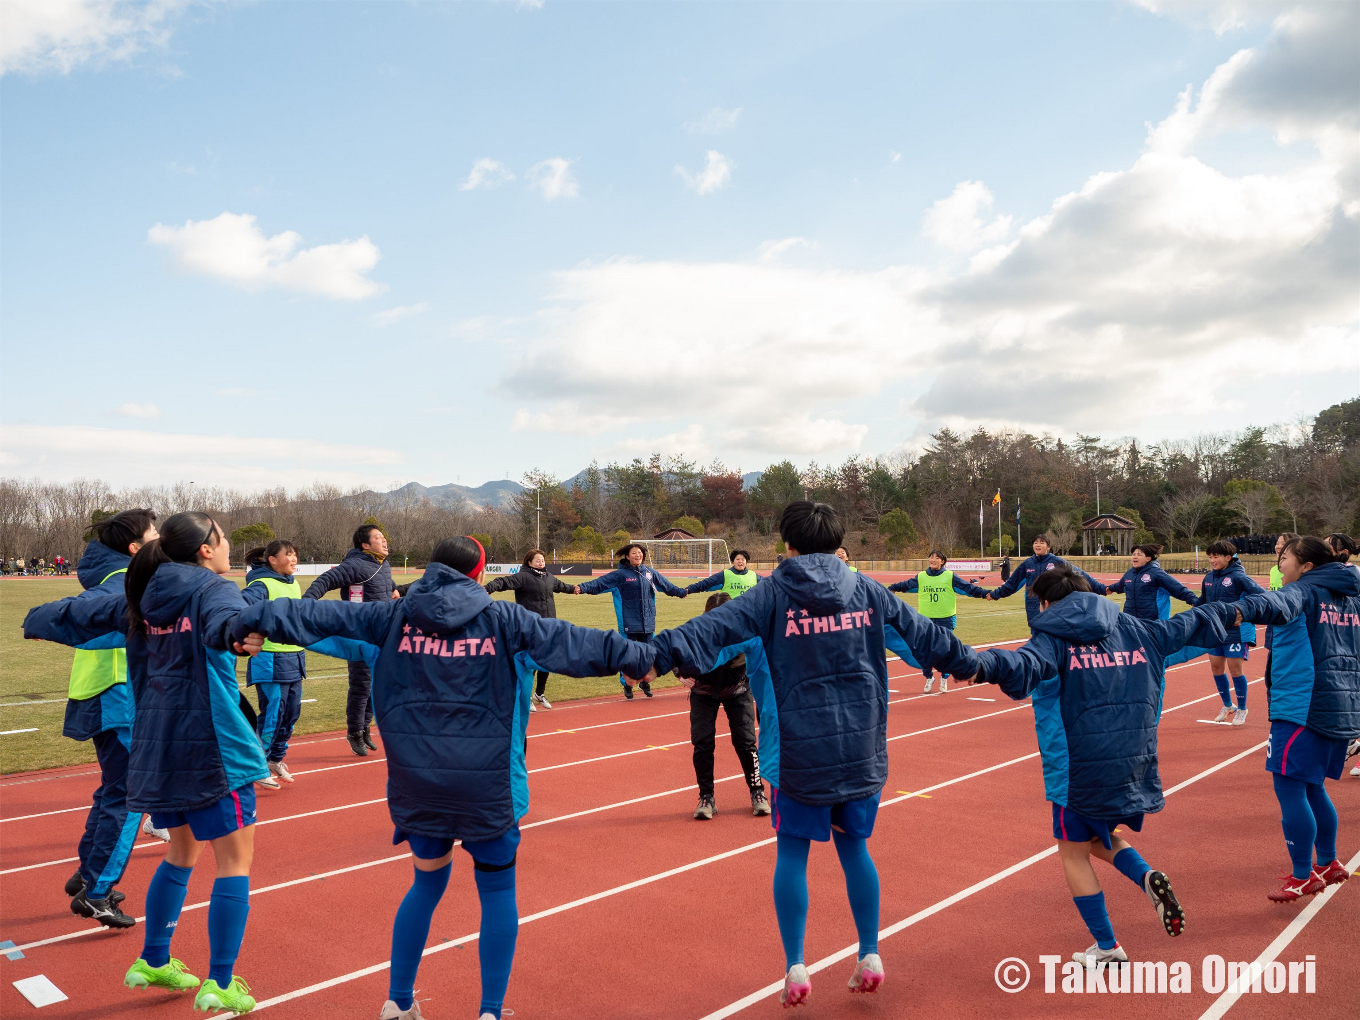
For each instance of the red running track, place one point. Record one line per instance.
(630, 908)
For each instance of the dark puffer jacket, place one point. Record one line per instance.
(533, 590)
(359, 576)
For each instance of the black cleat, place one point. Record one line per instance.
(628, 692)
(368, 740)
(104, 911)
(1158, 889)
(356, 744)
(75, 885)
(646, 688)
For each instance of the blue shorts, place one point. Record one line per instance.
(1234, 650)
(1074, 828)
(815, 821)
(1298, 752)
(497, 853)
(234, 811)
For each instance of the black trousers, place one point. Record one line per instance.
(540, 681)
(703, 727)
(359, 705)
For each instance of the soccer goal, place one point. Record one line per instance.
(699, 554)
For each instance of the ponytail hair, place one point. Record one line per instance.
(1343, 546)
(1150, 549)
(181, 537)
(462, 553)
(1310, 550)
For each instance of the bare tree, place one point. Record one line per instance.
(1062, 532)
(1253, 508)
(938, 520)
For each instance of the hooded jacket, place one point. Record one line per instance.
(100, 662)
(1096, 677)
(271, 667)
(1147, 591)
(634, 590)
(359, 576)
(1028, 572)
(533, 589)
(452, 670)
(814, 634)
(1315, 653)
(1231, 584)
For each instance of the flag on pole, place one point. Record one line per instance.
(996, 500)
(1017, 513)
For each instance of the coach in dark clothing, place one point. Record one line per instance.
(364, 575)
(534, 588)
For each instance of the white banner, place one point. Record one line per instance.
(969, 566)
(502, 568)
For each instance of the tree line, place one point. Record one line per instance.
(1302, 476)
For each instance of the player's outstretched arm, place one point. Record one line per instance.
(1201, 628)
(562, 647)
(1020, 672)
(929, 645)
(700, 644)
(353, 631)
(909, 585)
(80, 619)
(343, 573)
(664, 585)
(707, 584)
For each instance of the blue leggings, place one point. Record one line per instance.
(1308, 819)
(791, 891)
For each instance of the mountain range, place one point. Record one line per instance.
(498, 494)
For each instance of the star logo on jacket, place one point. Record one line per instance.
(406, 628)
(790, 614)
(1091, 657)
(804, 612)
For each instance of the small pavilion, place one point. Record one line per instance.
(1099, 530)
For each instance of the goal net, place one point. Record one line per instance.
(699, 555)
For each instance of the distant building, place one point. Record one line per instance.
(670, 534)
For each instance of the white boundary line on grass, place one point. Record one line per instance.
(1225, 1001)
(948, 901)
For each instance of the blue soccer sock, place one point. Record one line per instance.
(410, 930)
(1299, 824)
(1221, 682)
(227, 912)
(1131, 864)
(791, 894)
(1325, 816)
(500, 928)
(1097, 919)
(1240, 686)
(861, 884)
(164, 901)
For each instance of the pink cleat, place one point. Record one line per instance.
(868, 974)
(797, 986)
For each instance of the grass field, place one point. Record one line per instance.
(33, 674)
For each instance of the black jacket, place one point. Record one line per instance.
(360, 578)
(533, 590)
(727, 681)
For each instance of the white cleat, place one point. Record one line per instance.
(868, 974)
(1225, 714)
(797, 986)
(531, 705)
(268, 782)
(1356, 772)
(1240, 717)
(162, 834)
(1095, 956)
(541, 701)
(930, 682)
(391, 1011)
(280, 771)
(944, 685)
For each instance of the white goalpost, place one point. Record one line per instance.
(685, 553)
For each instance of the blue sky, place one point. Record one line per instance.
(280, 242)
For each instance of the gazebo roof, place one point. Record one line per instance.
(673, 533)
(1108, 522)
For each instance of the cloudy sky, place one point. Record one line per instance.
(271, 243)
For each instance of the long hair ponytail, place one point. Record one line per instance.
(181, 537)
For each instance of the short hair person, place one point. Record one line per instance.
(937, 591)
(534, 589)
(1031, 569)
(1227, 581)
(734, 581)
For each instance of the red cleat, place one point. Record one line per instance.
(1297, 888)
(1333, 874)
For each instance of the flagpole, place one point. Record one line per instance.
(982, 545)
(998, 522)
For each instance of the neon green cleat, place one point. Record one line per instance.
(173, 975)
(234, 998)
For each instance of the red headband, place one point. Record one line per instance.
(476, 572)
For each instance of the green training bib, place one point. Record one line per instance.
(936, 598)
(279, 590)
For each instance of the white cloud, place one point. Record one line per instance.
(957, 222)
(486, 173)
(894, 157)
(138, 457)
(231, 247)
(553, 179)
(716, 174)
(716, 121)
(769, 251)
(139, 411)
(390, 315)
(59, 35)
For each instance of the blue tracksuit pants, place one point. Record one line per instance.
(110, 830)
(280, 706)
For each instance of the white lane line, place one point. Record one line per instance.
(44, 814)
(600, 726)
(948, 901)
(1225, 1001)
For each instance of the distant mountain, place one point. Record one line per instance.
(498, 494)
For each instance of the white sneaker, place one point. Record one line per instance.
(390, 1011)
(797, 986)
(930, 682)
(944, 685)
(868, 974)
(1356, 771)
(542, 701)
(1353, 748)
(1095, 956)
(531, 705)
(1225, 714)
(268, 782)
(280, 771)
(1240, 717)
(162, 834)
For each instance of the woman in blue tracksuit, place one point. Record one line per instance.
(937, 590)
(1227, 581)
(1096, 676)
(452, 671)
(1314, 701)
(1147, 588)
(1028, 572)
(278, 671)
(634, 586)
